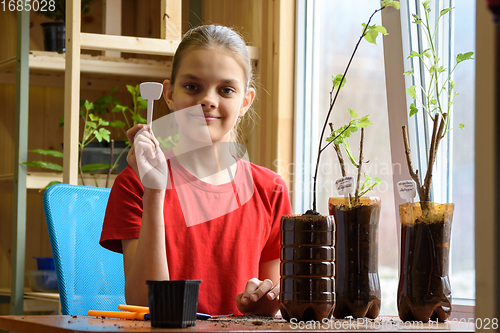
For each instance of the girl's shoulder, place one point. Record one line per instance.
(264, 177)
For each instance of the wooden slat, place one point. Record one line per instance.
(171, 27)
(112, 21)
(38, 180)
(139, 45)
(128, 44)
(72, 92)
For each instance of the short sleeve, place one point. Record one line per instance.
(280, 204)
(123, 212)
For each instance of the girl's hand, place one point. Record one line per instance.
(146, 158)
(259, 298)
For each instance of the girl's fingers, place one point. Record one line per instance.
(273, 294)
(255, 289)
(131, 133)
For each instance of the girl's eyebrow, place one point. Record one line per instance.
(194, 77)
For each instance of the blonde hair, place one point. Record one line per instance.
(212, 37)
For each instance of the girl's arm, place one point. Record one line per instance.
(145, 258)
(261, 295)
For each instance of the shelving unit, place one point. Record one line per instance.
(37, 65)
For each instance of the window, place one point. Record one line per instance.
(327, 32)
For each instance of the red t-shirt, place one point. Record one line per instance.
(223, 247)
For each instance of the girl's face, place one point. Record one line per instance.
(215, 80)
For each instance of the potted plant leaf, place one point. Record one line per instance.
(95, 128)
(424, 291)
(307, 262)
(356, 230)
(55, 32)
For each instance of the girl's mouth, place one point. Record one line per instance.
(206, 117)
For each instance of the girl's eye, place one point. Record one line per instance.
(227, 90)
(190, 86)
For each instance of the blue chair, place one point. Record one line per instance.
(89, 277)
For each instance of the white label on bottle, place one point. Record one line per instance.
(407, 189)
(345, 185)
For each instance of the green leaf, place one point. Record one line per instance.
(372, 32)
(413, 109)
(330, 138)
(143, 104)
(103, 122)
(113, 90)
(96, 166)
(462, 126)
(47, 152)
(410, 72)
(364, 122)
(102, 134)
(432, 102)
(61, 121)
(465, 56)
(444, 11)
(336, 82)
(88, 105)
(452, 85)
(138, 119)
(131, 89)
(412, 92)
(352, 113)
(441, 69)
(413, 54)
(54, 182)
(45, 165)
(93, 117)
(417, 18)
(426, 5)
(117, 123)
(390, 3)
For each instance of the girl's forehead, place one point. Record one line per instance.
(199, 60)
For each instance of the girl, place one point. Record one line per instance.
(235, 254)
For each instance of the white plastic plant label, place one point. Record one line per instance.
(345, 185)
(407, 189)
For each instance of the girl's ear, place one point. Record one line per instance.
(168, 91)
(247, 102)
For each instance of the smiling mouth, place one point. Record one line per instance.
(206, 117)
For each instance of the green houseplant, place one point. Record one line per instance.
(425, 293)
(357, 286)
(307, 282)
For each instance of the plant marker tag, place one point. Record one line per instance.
(407, 189)
(151, 91)
(345, 185)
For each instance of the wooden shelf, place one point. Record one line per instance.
(52, 61)
(38, 180)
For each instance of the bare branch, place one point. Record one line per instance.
(413, 174)
(339, 154)
(360, 164)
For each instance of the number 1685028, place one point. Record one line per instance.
(28, 5)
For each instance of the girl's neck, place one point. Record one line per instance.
(212, 163)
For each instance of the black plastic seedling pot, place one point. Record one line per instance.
(173, 303)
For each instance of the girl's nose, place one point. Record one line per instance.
(208, 102)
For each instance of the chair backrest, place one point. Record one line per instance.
(89, 277)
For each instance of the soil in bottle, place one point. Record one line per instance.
(424, 290)
(356, 257)
(307, 267)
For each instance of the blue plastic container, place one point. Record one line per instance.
(45, 263)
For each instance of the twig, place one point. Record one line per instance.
(360, 164)
(413, 174)
(112, 147)
(339, 154)
(80, 165)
